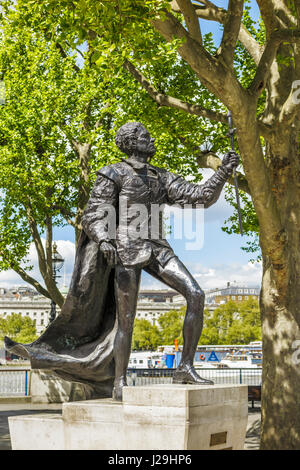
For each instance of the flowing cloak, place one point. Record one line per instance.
(78, 345)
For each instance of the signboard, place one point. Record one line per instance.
(213, 357)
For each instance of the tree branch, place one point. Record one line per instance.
(191, 51)
(213, 13)
(268, 56)
(37, 241)
(266, 8)
(25, 276)
(49, 246)
(66, 215)
(191, 19)
(65, 55)
(169, 101)
(232, 26)
(250, 44)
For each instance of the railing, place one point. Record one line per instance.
(250, 377)
(14, 382)
(218, 376)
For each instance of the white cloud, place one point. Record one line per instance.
(248, 274)
(65, 248)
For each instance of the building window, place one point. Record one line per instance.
(233, 297)
(251, 291)
(239, 297)
(245, 291)
(246, 297)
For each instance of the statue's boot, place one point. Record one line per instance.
(186, 374)
(118, 388)
(16, 348)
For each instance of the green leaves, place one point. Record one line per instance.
(232, 323)
(146, 337)
(18, 328)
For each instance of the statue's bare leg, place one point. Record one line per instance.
(127, 282)
(176, 276)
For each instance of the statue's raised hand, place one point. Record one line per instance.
(231, 160)
(110, 253)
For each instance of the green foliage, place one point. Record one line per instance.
(146, 337)
(171, 326)
(232, 323)
(18, 328)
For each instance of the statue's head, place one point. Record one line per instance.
(133, 139)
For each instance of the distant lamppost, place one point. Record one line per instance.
(57, 264)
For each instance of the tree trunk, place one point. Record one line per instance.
(280, 308)
(281, 364)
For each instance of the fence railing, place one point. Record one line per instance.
(218, 376)
(14, 382)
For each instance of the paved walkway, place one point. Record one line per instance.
(6, 410)
(253, 429)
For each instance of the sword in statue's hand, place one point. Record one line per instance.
(231, 135)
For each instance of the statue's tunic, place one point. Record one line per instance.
(125, 208)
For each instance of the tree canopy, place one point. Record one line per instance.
(19, 328)
(232, 323)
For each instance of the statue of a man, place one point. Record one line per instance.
(90, 340)
(135, 181)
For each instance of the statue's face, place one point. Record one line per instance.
(145, 144)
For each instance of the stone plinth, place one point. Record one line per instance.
(46, 387)
(156, 417)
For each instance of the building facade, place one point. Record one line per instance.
(232, 291)
(38, 310)
(151, 303)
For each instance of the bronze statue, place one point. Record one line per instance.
(90, 340)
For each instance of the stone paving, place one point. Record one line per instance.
(6, 410)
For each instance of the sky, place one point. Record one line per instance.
(219, 260)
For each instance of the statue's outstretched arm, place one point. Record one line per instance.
(182, 192)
